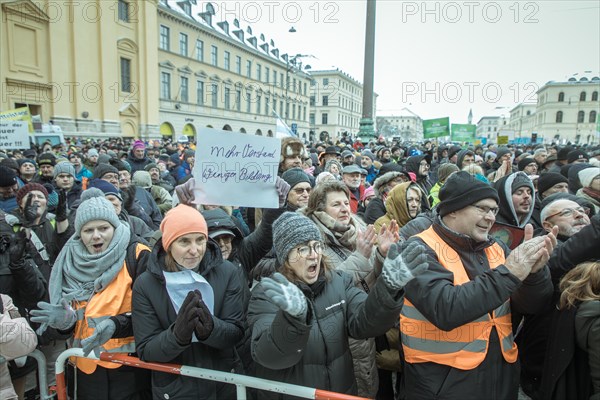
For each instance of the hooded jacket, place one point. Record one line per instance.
(153, 318)
(507, 214)
(314, 352)
(412, 165)
(396, 206)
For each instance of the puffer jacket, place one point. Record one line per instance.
(315, 352)
(153, 318)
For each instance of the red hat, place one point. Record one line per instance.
(30, 187)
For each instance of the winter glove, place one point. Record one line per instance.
(187, 318)
(52, 196)
(128, 198)
(399, 269)
(59, 316)
(185, 192)
(283, 189)
(205, 324)
(30, 211)
(285, 295)
(61, 207)
(16, 251)
(102, 334)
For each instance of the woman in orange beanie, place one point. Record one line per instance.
(187, 308)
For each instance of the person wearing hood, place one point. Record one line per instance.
(137, 157)
(65, 179)
(590, 186)
(573, 175)
(90, 296)
(382, 186)
(187, 308)
(420, 165)
(161, 197)
(443, 173)
(402, 204)
(465, 157)
(516, 193)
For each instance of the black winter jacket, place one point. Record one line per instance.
(448, 306)
(154, 316)
(315, 352)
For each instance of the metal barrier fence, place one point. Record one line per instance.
(240, 381)
(40, 358)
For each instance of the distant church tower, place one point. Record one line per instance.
(470, 117)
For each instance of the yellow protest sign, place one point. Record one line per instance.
(17, 114)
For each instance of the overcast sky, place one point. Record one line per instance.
(438, 58)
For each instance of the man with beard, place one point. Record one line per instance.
(366, 162)
(162, 179)
(569, 216)
(351, 178)
(81, 171)
(516, 200)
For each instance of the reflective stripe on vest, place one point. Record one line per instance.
(115, 299)
(466, 346)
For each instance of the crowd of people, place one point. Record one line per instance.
(388, 271)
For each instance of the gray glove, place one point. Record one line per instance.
(399, 269)
(59, 316)
(285, 295)
(102, 334)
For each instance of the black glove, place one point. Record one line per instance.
(61, 207)
(128, 197)
(16, 252)
(187, 318)
(205, 324)
(30, 211)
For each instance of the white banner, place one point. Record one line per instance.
(235, 169)
(14, 135)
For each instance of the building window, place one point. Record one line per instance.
(258, 104)
(324, 118)
(123, 11)
(280, 107)
(594, 96)
(325, 81)
(187, 8)
(125, 75)
(293, 112)
(312, 101)
(215, 95)
(238, 100)
(165, 85)
(561, 97)
(183, 44)
(248, 100)
(311, 117)
(200, 92)
(213, 56)
(559, 117)
(281, 79)
(582, 96)
(580, 116)
(274, 78)
(325, 100)
(227, 98)
(294, 85)
(184, 89)
(227, 56)
(164, 38)
(305, 88)
(248, 68)
(592, 118)
(238, 65)
(267, 74)
(258, 72)
(267, 105)
(200, 50)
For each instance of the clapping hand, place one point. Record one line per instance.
(399, 269)
(59, 316)
(531, 255)
(285, 295)
(365, 240)
(103, 333)
(387, 237)
(205, 324)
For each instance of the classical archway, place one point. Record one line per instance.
(226, 127)
(270, 133)
(166, 129)
(258, 132)
(189, 130)
(242, 130)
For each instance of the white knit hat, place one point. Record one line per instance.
(586, 176)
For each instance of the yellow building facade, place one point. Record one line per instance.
(82, 65)
(218, 74)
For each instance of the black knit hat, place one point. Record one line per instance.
(102, 169)
(577, 155)
(8, 177)
(563, 153)
(463, 189)
(295, 176)
(46, 159)
(525, 162)
(549, 179)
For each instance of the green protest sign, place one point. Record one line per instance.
(438, 127)
(463, 132)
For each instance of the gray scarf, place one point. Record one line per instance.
(77, 274)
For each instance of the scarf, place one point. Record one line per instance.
(595, 195)
(77, 274)
(345, 235)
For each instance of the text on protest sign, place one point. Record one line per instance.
(235, 169)
(14, 135)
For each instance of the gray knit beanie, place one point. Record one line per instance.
(64, 167)
(290, 230)
(142, 179)
(95, 207)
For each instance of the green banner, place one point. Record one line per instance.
(433, 128)
(463, 132)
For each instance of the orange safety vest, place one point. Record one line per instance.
(115, 299)
(464, 347)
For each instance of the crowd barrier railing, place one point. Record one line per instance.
(240, 381)
(40, 358)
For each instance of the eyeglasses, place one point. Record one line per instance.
(567, 212)
(299, 191)
(484, 210)
(110, 176)
(306, 250)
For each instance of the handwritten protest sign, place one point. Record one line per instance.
(17, 114)
(14, 135)
(235, 169)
